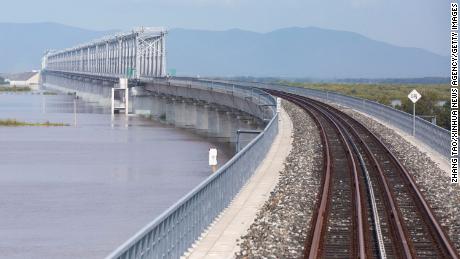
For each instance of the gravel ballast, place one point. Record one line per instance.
(279, 228)
(434, 183)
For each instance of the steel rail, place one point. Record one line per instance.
(439, 234)
(315, 249)
(374, 210)
(368, 182)
(320, 216)
(396, 219)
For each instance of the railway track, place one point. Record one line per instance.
(369, 206)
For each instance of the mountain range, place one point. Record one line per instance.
(290, 52)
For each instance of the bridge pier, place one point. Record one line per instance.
(213, 121)
(162, 106)
(202, 117)
(191, 115)
(225, 120)
(170, 111)
(180, 113)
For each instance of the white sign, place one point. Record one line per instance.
(123, 83)
(414, 96)
(212, 156)
(278, 104)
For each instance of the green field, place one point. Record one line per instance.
(5, 88)
(428, 105)
(15, 123)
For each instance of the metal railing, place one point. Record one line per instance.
(432, 135)
(176, 229)
(258, 96)
(214, 92)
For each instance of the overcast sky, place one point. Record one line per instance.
(412, 23)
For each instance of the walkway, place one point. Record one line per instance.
(220, 241)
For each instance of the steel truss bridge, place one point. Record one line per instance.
(140, 53)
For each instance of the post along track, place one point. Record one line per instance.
(393, 219)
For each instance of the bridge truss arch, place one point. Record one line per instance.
(134, 54)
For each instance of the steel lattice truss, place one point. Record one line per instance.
(138, 53)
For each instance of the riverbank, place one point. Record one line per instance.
(15, 123)
(6, 88)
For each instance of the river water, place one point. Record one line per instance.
(79, 192)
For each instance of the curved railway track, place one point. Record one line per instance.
(369, 206)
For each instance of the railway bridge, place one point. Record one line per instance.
(385, 213)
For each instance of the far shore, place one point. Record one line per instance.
(8, 88)
(15, 123)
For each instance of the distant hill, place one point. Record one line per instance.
(22, 44)
(290, 52)
(297, 52)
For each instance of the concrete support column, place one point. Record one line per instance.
(155, 107)
(163, 104)
(180, 113)
(234, 122)
(191, 115)
(170, 111)
(225, 132)
(213, 122)
(202, 118)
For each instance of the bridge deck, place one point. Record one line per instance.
(220, 240)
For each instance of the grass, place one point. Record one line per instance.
(15, 89)
(15, 123)
(382, 93)
(49, 93)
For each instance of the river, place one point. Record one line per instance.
(79, 192)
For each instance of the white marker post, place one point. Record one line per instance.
(213, 159)
(414, 96)
(278, 105)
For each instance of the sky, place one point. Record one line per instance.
(409, 23)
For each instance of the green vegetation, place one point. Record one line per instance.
(432, 94)
(15, 89)
(2, 81)
(15, 123)
(49, 93)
